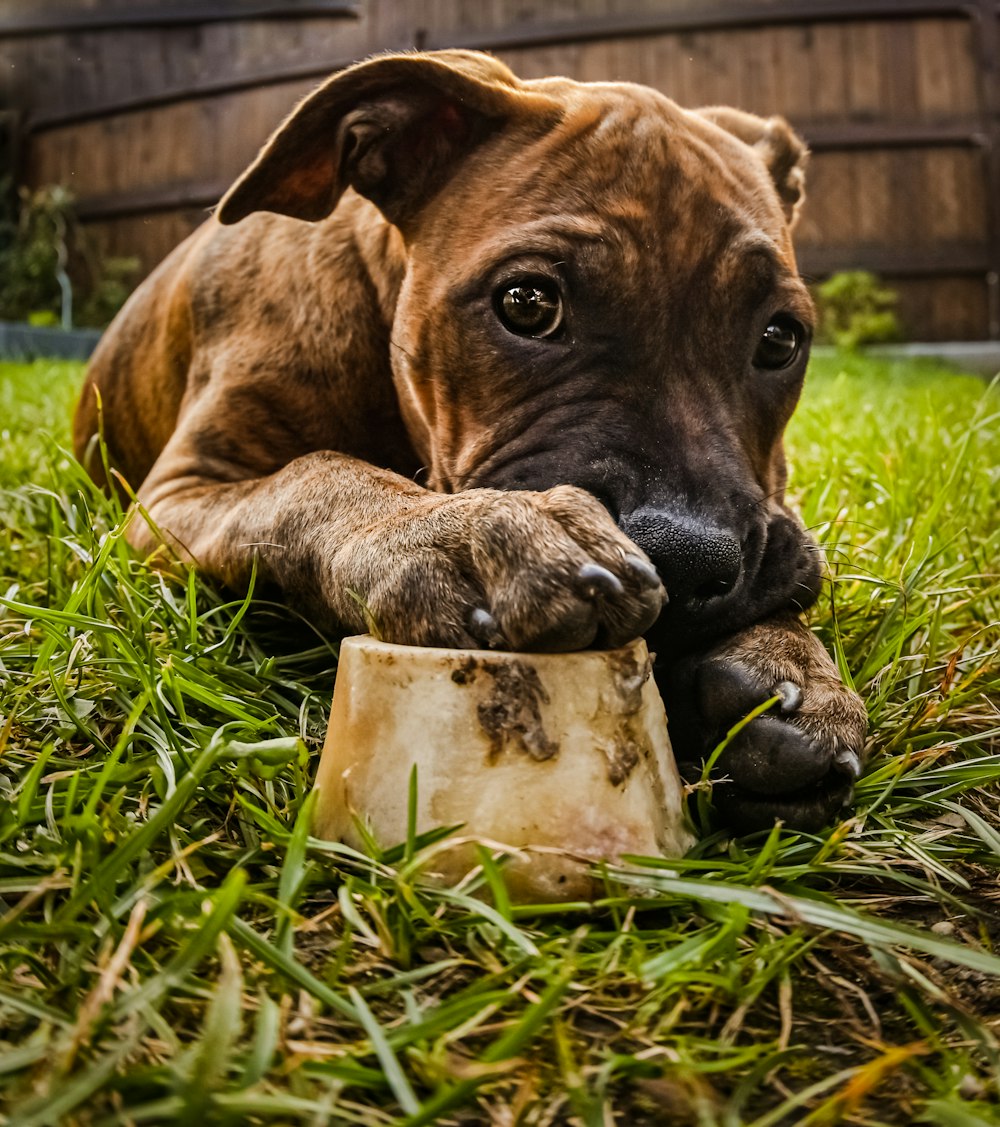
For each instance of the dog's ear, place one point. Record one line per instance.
(392, 128)
(781, 148)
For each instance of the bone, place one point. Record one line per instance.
(554, 761)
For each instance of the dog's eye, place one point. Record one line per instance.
(779, 345)
(530, 308)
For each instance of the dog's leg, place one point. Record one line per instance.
(797, 762)
(348, 542)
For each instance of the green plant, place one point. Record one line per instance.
(44, 249)
(856, 308)
(176, 948)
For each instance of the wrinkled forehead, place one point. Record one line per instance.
(623, 168)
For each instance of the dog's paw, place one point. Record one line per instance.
(542, 571)
(797, 762)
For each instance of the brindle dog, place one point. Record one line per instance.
(572, 313)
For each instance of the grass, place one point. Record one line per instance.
(175, 947)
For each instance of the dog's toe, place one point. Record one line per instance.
(485, 629)
(770, 756)
(574, 629)
(796, 762)
(808, 810)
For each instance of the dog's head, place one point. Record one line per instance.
(600, 291)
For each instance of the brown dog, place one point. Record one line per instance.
(572, 311)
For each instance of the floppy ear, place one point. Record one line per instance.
(392, 128)
(781, 148)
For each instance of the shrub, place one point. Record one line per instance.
(40, 237)
(855, 308)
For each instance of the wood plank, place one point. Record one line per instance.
(66, 18)
(855, 135)
(830, 79)
(898, 53)
(866, 97)
(946, 71)
(959, 259)
(942, 308)
(700, 17)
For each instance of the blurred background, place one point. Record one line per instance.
(123, 121)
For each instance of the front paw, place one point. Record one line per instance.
(797, 762)
(541, 571)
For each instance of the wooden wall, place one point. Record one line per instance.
(148, 117)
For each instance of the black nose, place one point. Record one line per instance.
(696, 560)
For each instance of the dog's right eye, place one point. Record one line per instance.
(780, 344)
(531, 307)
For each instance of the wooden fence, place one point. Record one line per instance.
(147, 111)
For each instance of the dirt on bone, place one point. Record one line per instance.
(511, 716)
(631, 674)
(623, 757)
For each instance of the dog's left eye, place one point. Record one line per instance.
(530, 308)
(779, 345)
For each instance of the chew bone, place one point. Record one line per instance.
(562, 758)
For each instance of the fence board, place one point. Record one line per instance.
(900, 99)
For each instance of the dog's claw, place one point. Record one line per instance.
(791, 696)
(595, 580)
(485, 628)
(644, 571)
(848, 763)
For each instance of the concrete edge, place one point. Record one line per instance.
(20, 341)
(981, 358)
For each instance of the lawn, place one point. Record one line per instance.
(176, 948)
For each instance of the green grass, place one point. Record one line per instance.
(176, 948)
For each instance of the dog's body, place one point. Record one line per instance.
(574, 310)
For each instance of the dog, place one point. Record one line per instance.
(504, 363)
